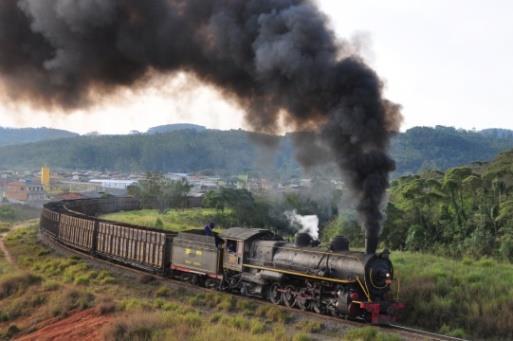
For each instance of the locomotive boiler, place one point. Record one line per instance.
(335, 281)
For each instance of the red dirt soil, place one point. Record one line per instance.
(83, 325)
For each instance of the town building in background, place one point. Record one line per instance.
(30, 192)
(45, 177)
(113, 183)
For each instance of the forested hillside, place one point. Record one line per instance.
(466, 210)
(11, 136)
(236, 151)
(443, 147)
(229, 152)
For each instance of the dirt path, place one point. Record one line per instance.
(84, 325)
(4, 250)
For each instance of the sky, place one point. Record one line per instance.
(446, 62)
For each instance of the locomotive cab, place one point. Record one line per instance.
(233, 254)
(237, 241)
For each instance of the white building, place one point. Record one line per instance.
(113, 183)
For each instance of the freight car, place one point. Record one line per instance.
(247, 261)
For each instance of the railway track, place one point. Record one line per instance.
(405, 332)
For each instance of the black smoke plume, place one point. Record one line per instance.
(273, 57)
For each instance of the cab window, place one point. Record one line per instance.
(231, 246)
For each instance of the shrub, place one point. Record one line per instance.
(471, 298)
(7, 213)
(69, 300)
(197, 300)
(106, 307)
(216, 317)
(158, 223)
(301, 337)
(81, 280)
(135, 304)
(3, 228)
(17, 283)
(247, 306)
(12, 331)
(238, 322)
(506, 247)
(192, 319)
(310, 326)
(458, 332)
(163, 292)
(369, 334)
(273, 313)
(21, 306)
(228, 303)
(105, 277)
(139, 326)
(257, 327)
(145, 279)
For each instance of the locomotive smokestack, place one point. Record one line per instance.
(371, 242)
(275, 58)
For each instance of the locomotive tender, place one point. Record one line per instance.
(249, 261)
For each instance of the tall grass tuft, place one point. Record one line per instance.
(369, 334)
(17, 283)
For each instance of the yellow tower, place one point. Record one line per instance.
(45, 177)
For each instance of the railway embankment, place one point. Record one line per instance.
(137, 305)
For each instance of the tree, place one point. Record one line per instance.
(155, 191)
(215, 199)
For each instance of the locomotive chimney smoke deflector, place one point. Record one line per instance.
(270, 56)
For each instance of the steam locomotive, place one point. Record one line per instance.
(249, 261)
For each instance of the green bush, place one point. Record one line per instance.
(158, 223)
(228, 303)
(506, 247)
(134, 327)
(309, 326)
(21, 306)
(302, 337)
(473, 298)
(7, 213)
(257, 327)
(17, 283)
(274, 314)
(71, 299)
(163, 292)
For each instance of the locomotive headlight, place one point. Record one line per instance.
(388, 280)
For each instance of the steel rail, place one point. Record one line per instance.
(431, 335)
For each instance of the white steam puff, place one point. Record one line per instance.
(306, 223)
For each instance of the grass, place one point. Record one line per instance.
(464, 298)
(12, 284)
(10, 213)
(173, 220)
(4, 227)
(5, 267)
(36, 290)
(50, 286)
(369, 334)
